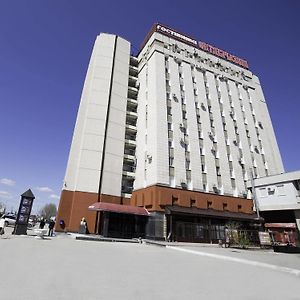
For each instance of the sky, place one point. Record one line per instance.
(45, 46)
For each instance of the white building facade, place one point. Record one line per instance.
(212, 113)
(173, 126)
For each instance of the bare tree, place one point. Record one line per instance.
(2, 208)
(48, 210)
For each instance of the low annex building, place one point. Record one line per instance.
(177, 130)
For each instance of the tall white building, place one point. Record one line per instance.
(182, 126)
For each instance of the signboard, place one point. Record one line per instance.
(24, 212)
(165, 30)
(176, 35)
(223, 54)
(265, 239)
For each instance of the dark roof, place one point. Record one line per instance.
(28, 194)
(118, 208)
(212, 213)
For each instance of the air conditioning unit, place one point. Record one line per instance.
(216, 189)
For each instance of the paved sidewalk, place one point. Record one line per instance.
(64, 268)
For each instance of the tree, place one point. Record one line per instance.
(48, 210)
(2, 208)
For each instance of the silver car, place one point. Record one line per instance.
(9, 219)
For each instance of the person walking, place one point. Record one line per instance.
(2, 225)
(83, 228)
(50, 227)
(42, 223)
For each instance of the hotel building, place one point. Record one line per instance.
(165, 143)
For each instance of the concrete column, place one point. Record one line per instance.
(105, 223)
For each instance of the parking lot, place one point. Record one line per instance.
(64, 268)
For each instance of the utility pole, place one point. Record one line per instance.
(254, 193)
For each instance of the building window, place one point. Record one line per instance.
(225, 206)
(271, 191)
(193, 203)
(263, 192)
(209, 204)
(281, 190)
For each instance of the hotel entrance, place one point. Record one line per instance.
(120, 221)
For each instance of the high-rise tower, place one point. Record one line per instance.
(179, 130)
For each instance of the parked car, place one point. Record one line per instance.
(9, 219)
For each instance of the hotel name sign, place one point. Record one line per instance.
(201, 45)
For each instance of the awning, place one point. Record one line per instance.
(118, 208)
(212, 213)
(280, 225)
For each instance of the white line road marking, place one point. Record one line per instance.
(239, 260)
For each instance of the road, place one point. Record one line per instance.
(64, 268)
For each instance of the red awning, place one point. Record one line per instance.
(118, 208)
(280, 225)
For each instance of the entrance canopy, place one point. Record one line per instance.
(118, 208)
(281, 225)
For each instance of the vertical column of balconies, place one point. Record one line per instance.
(184, 142)
(212, 136)
(129, 161)
(218, 80)
(200, 129)
(258, 125)
(170, 123)
(236, 141)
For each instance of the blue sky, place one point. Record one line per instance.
(44, 53)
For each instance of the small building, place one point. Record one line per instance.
(278, 202)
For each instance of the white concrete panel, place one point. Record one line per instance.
(93, 142)
(90, 159)
(94, 126)
(87, 180)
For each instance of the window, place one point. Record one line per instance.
(225, 206)
(263, 192)
(281, 190)
(271, 191)
(193, 202)
(209, 204)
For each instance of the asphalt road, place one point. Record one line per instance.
(64, 268)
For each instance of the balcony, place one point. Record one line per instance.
(129, 152)
(133, 71)
(131, 115)
(128, 174)
(130, 129)
(129, 136)
(134, 61)
(132, 103)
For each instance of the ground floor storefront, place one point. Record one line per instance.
(182, 224)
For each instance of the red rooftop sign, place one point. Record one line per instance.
(200, 45)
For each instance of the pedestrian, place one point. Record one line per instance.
(42, 223)
(83, 226)
(50, 227)
(2, 225)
